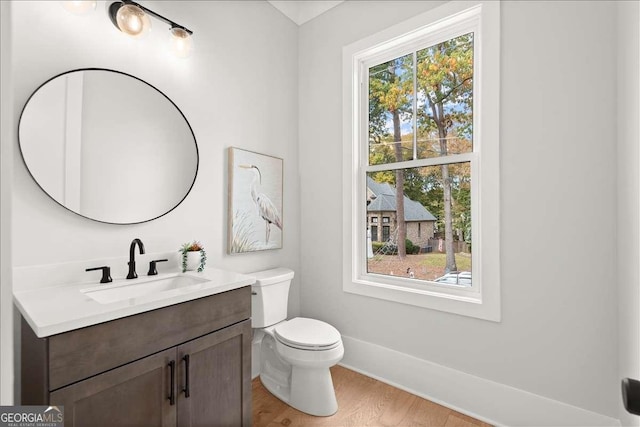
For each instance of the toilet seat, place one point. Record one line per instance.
(307, 334)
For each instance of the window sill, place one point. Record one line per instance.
(470, 304)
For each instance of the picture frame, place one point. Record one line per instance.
(255, 220)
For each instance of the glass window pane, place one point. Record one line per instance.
(445, 98)
(374, 233)
(391, 111)
(437, 212)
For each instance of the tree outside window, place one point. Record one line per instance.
(421, 110)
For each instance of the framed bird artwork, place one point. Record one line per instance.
(255, 201)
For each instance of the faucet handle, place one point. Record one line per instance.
(152, 266)
(106, 273)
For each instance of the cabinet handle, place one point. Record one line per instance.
(186, 382)
(172, 396)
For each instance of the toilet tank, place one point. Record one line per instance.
(269, 296)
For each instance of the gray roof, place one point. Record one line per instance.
(385, 201)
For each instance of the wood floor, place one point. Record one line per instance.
(362, 401)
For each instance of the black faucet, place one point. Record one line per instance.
(132, 257)
(106, 273)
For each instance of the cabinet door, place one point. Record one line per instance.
(136, 395)
(217, 368)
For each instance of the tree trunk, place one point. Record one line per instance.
(448, 217)
(439, 118)
(401, 225)
(448, 223)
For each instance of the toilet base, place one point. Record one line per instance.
(312, 391)
(303, 386)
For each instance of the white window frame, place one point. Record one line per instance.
(448, 21)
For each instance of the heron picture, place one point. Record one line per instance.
(255, 201)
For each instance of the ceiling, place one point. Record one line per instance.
(302, 11)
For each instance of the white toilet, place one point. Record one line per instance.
(295, 355)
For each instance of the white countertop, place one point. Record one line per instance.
(56, 309)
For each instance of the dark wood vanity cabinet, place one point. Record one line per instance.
(131, 395)
(216, 363)
(147, 370)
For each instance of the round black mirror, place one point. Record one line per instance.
(108, 146)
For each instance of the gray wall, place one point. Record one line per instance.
(6, 178)
(558, 336)
(628, 196)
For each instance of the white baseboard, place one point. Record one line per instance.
(485, 400)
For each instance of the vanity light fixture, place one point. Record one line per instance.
(130, 19)
(181, 42)
(79, 7)
(133, 19)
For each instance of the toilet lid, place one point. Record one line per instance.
(307, 334)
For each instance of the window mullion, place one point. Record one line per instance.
(431, 161)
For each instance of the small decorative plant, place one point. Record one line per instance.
(188, 250)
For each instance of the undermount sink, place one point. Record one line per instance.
(144, 287)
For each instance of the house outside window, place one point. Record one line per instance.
(416, 215)
(374, 219)
(423, 124)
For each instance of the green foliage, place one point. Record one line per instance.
(410, 246)
(424, 185)
(445, 77)
(462, 211)
(416, 184)
(194, 246)
(390, 97)
(381, 154)
(191, 247)
(376, 246)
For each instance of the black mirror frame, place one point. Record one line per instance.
(142, 81)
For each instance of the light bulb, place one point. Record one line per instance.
(181, 42)
(79, 7)
(132, 20)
